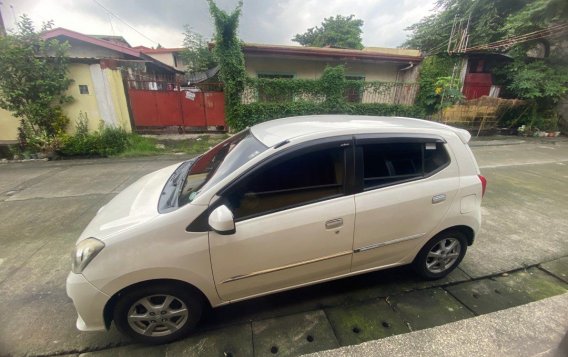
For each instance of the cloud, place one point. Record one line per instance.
(262, 21)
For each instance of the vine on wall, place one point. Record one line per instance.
(229, 55)
(266, 99)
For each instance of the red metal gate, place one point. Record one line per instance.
(477, 85)
(159, 105)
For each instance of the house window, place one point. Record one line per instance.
(268, 95)
(353, 93)
(83, 89)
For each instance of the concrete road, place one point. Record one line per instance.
(518, 257)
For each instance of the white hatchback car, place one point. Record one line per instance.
(284, 204)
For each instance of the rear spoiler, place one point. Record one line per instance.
(464, 135)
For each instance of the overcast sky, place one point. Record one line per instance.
(262, 21)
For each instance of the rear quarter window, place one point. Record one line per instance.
(391, 163)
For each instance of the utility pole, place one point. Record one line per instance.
(2, 28)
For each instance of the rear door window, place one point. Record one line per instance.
(390, 163)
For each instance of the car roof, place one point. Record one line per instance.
(276, 131)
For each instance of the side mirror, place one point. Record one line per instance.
(221, 220)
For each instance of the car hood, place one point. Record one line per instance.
(136, 204)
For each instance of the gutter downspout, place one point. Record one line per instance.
(406, 68)
(410, 65)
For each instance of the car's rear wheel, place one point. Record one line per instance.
(158, 313)
(441, 255)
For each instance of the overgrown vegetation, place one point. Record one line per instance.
(433, 68)
(539, 81)
(33, 81)
(291, 97)
(254, 113)
(332, 87)
(339, 31)
(230, 57)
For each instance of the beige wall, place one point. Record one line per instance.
(168, 58)
(313, 69)
(113, 97)
(85, 50)
(8, 127)
(87, 103)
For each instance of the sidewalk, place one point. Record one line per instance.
(536, 329)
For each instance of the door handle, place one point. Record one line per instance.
(334, 223)
(438, 198)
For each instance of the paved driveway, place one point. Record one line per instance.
(45, 205)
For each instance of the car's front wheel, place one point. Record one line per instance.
(158, 313)
(441, 255)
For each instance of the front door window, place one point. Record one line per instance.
(304, 178)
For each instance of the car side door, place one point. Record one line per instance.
(294, 220)
(407, 185)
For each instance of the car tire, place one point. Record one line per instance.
(441, 255)
(158, 313)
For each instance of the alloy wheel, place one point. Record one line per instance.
(157, 315)
(443, 255)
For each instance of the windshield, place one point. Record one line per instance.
(217, 163)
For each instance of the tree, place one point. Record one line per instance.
(338, 31)
(196, 53)
(33, 81)
(536, 15)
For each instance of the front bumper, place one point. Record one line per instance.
(89, 302)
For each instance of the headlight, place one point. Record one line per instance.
(84, 252)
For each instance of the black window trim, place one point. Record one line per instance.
(200, 224)
(384, 138)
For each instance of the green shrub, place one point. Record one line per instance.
(254, 113)
(112, 141)
(106, 141)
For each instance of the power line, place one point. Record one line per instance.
(511, 41)
(123, 21)
(437, 48)
(111, 26)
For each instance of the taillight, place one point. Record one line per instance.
(483, 184)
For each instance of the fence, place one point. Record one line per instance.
(161, 102)
(168, 83)
(477, 115)
(296, 90)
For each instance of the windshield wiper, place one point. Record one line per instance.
(168, 198)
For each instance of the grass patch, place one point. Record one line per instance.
(146, 146)
(140, 146)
